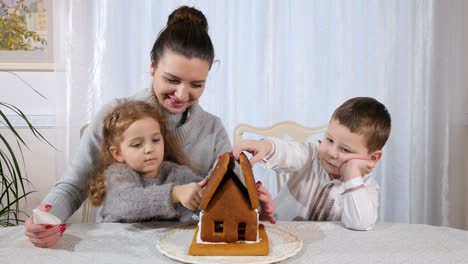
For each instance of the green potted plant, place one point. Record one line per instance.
(13, 176)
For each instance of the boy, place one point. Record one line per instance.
(329, 180)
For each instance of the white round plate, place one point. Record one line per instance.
(175, 244)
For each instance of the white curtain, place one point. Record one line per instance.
(298, 60)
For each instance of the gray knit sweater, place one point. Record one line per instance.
(130, 197)
(201, 135)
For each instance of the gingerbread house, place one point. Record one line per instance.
(229, 223)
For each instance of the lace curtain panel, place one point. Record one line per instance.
(299, 60)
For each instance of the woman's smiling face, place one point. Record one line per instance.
(179, 81)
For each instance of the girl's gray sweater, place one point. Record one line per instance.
(131, 197)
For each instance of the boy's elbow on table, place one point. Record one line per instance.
(360, 220)
(362, 225)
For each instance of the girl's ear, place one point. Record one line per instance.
(376, 156)
(116, 153)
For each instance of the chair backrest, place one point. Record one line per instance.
(283, 129)
(89, 212)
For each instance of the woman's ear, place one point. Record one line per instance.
(152, 67)
(116, 154)
(376, 156)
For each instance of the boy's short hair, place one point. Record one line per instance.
(365, 116)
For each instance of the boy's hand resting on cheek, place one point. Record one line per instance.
(355, 168)
(189, 195)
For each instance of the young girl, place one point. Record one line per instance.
(138, 176)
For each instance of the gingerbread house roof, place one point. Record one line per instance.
(225, 162)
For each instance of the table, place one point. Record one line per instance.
(323, 242)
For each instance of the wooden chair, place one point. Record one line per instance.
(283, 129)
(89, 212)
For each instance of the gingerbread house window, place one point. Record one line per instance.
(218, 227)
(241, 231)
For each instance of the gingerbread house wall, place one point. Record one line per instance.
(230, 207)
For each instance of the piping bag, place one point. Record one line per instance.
(41, 217)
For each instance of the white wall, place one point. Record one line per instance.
(16, 92)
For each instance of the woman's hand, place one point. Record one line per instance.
(267, 208)
(43, 235)
(189, 195)
(258, 148)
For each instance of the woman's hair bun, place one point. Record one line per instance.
(185, 14)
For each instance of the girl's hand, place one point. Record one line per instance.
(258, 148)
(267, 208)
(189, 195)
(43, 235)
(354, 168)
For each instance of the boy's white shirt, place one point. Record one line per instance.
(310, 193)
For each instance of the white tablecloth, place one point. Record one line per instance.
(323, 242)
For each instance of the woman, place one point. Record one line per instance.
(180, 60)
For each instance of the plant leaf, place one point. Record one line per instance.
(10, 126)
(13, 162)
(25, 82)
(20, 113)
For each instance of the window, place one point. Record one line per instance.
(241, 231)
(218, 227)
